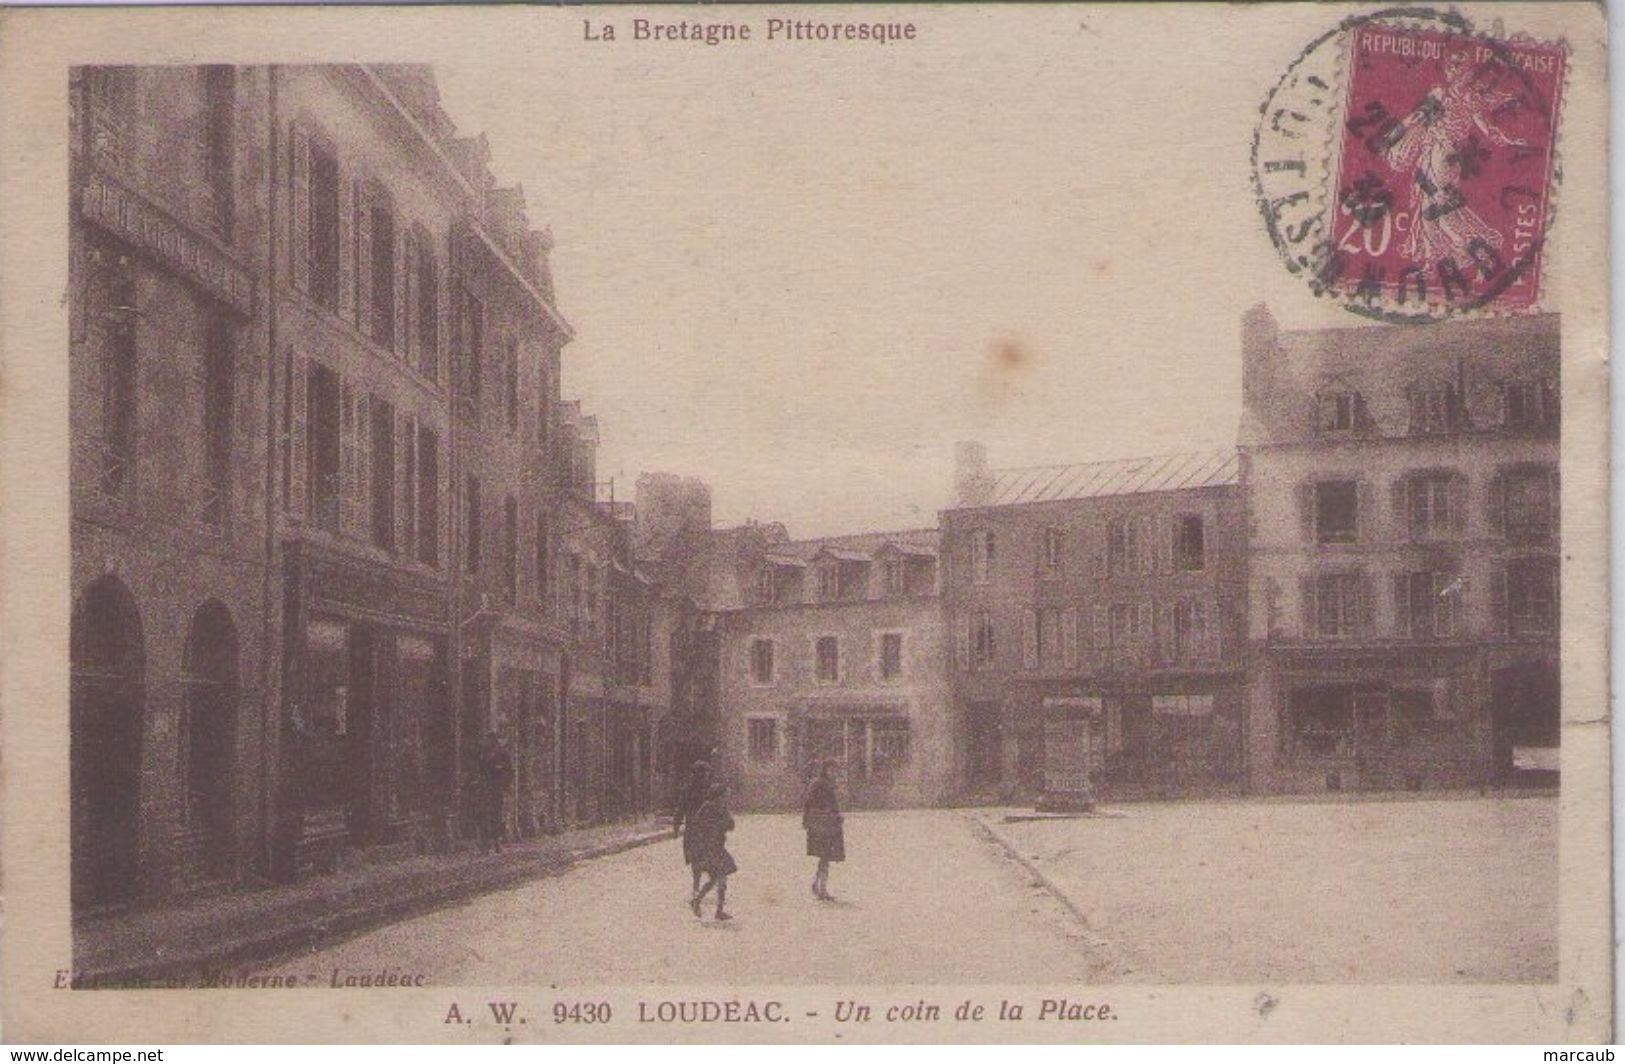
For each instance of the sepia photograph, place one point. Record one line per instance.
(950, 524)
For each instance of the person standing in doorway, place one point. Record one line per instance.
(821, 817)
(709, 828)
(496, 777)
(695, 791)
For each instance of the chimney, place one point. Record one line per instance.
(973, 484)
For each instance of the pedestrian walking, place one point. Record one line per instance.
(821, 817)
(709, 827)
(695, 791)
(496, 776)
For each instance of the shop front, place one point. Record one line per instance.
(369, 738)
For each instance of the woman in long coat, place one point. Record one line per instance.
(709, 827)
(695, 792)
(821, 817)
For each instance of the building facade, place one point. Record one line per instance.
(1095, 613)
(1402, 498)
(171, 691)
(832, 650)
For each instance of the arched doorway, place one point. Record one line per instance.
(208, 737)
(104, 730)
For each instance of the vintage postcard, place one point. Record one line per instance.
(978, 523)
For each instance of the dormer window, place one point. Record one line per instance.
(829, 582)
(1436, 410)
(1339, 411)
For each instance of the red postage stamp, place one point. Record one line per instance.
(1443, 171)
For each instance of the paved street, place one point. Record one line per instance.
(924, 897)
(1424, 891)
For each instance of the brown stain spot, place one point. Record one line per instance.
(1101, 266)
(1008, 354)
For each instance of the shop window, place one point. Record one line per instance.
(218, 422)
(428, 461)
(322, 405)
(891, 655)
(827, 665)
(1531, 596)
(324, 226)
(1190, 543)
(471, 524)
(1322, 721)
(383, 273)
(763, 739)
(889, 746)
(761, 661)
(382, 480)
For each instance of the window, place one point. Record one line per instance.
(761, 660)
(1336, 511)
(324, 227)
(829, 582)
(474, 344)
(218, 389)
(572, 592)
(428, 323)
(1529, 406)
(408, 544)
(1339, 605)
(1192, 639)
(322, 405)
(766, 585)
(383, 274)
(1049, 554)
(1190, 543)
(888, 746)
(428, 461)
(1430, 509)
(1528, 504)
(827, 668)
(471, 522)
(1435, 411)
(981, 555)
(220, 93)
(1130, 623)
(891, 655)
(383, 474)
(982, 641)
(1048, 634)
(1128, 547)
(541, 554)
(1426, 604)
(118, 309)
(763, 739)
(896, 574)
(1182, 705)
(510, 384)
(1339, 412)
(1531, 596)
(544, 400)
(510, 549)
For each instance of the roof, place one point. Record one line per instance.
(860, 546)
(785, 559)
(841, 554)
(1130, 476)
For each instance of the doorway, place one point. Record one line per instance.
(104, 737)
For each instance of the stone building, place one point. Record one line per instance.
(1401, 490)
(1095, 615)
(832, 650)
(170, 689)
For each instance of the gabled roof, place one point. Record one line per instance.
(1132, 476)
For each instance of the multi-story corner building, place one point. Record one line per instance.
(168, 351)
(514, 642)
(832, 650)
(1095, 613)
(1401, 488)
